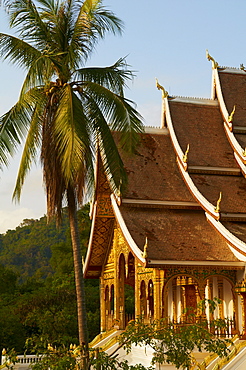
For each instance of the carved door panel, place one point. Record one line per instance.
(191, 302)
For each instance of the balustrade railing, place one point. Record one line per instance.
(24, 360)
(227, 330)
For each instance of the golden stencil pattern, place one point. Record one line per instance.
(102, 237)
(104, 208)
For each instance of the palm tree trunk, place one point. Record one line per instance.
(79, 279)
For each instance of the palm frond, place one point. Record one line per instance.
(113, 77)
(40, 73)
(27, 20)
(104, 140)
(92, 22)
(72, 135)
(118, 112)
(14, 124)
(29, 154)
(101, 19)
(17, 51)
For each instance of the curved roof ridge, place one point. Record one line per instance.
(194, 100)
(238, 246)
(221, 101)
(205, 204)
(89, 248)
(236, 147)
(228, 118)
(179, 152)
(133, 246)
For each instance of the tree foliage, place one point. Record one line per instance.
(175, 343)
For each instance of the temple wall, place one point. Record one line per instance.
(160, 293)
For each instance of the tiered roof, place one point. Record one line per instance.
(187, 186)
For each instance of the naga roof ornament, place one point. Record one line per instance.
(145, 253)
(230, 117)
(185, 156)
(217, 208)
(214, 63)
(159, 87)
(242, 67)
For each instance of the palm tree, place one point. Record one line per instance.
(66, 110)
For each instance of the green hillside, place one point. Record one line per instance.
(37, 292)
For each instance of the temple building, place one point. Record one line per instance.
(178, 233)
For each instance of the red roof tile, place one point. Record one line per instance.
(233, 190)
(152, 171)
(201, 126)
(233, 87)
(176, 235)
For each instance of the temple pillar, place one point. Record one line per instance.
(164, 298)
(211, 297)
(143, 300)
(157, 294)
(103, 307)
(174, 300)
(116, 281)
(121, 291)
(137, 292)
(235, 314)
(183, 303)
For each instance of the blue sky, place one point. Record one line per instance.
(163, 39)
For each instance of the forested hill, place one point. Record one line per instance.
(37, 290)
(28, 249)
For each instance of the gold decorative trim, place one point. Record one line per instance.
(185, 156)
(214, 63)
(230, 117)
(159, 87)
(217, 208)
(145, 253)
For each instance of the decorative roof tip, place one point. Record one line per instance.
(215, 65)
(230, 117)
(242, 67)
(159, 87)
(145, 252)
(217, 208)
(185, 156)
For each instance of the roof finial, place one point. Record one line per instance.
(244, 152)
(159, 87)
(242, 67)
(217, 208)
(214, 63)
(185, 156)
(118, 191)
(230, 117)
(145, 254)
